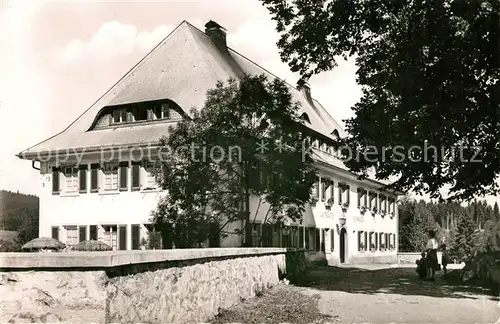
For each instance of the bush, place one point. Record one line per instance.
(9, 246)
(483, 270)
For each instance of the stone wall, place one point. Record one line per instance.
(412, 257)
(181, 294)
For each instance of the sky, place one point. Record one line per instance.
(57, 58)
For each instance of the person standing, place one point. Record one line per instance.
(431, 258)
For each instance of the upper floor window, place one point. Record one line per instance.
(110, 177)
(119, 115)
(150, 181)
(71, 179)
(344, 194)
(362, 197)
(160, 111)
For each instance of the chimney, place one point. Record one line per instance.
(217, 33)
(305, 89)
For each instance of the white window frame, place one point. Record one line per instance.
(149, 179)
(71, 181)
(70, 239)
(123, 113)
(110, 171)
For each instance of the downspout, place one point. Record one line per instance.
(33, 166)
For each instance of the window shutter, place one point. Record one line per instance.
(332, 190)
(94, 182)
(82, 174)
(123, 175)
(55, 233)
(55, 180)
(82, 233)
(348, 195)
(136, 176)
(366, 241)
(359, 240)
(340, 194)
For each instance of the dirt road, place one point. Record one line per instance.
(350, 295)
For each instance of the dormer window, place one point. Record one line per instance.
(305, 117)
(336, 134)
(160, 111)
(120, 115)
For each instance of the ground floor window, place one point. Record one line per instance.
(93, 232)
(71, 235)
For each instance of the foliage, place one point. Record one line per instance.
(205, 190)
(10, 246)
(464, 244)
(417, 220)
(429, 73)
(20, 213)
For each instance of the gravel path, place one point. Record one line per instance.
(349, 295)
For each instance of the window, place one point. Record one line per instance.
(161, 111)
(82, 174)
(70, 179)
(72, 235)
(362, 199)
(324, 186)
(150, 176)
(111, 177)
(316, 240)
(332, 190)
(382, 241)
(119, 115)
(323, 239)
(139, 113)
(123, 176)
(362, 236)
(136, 179)
(276, 235)
(256, 234)
(373, 200)
(373, 241)
(315, 192)
(82, 233)
(316, 144)
(214, 235)
(55, 233)
(55, 181)
(383, 204)
(343, 194)
(94, 176)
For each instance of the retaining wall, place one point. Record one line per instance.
(159, 286)
(412, 257)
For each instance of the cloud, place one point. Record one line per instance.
(113, 39)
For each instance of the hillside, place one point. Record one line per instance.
(19, 212)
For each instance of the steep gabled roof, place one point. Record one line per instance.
(181, 68)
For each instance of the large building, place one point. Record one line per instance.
(96, 186)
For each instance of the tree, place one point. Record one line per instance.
(464, 243)
(254, 136)
(418, 221)
(496, 212)
(429, 73)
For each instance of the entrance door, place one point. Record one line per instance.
(342, 248)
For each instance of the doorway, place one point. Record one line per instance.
(342, 247)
